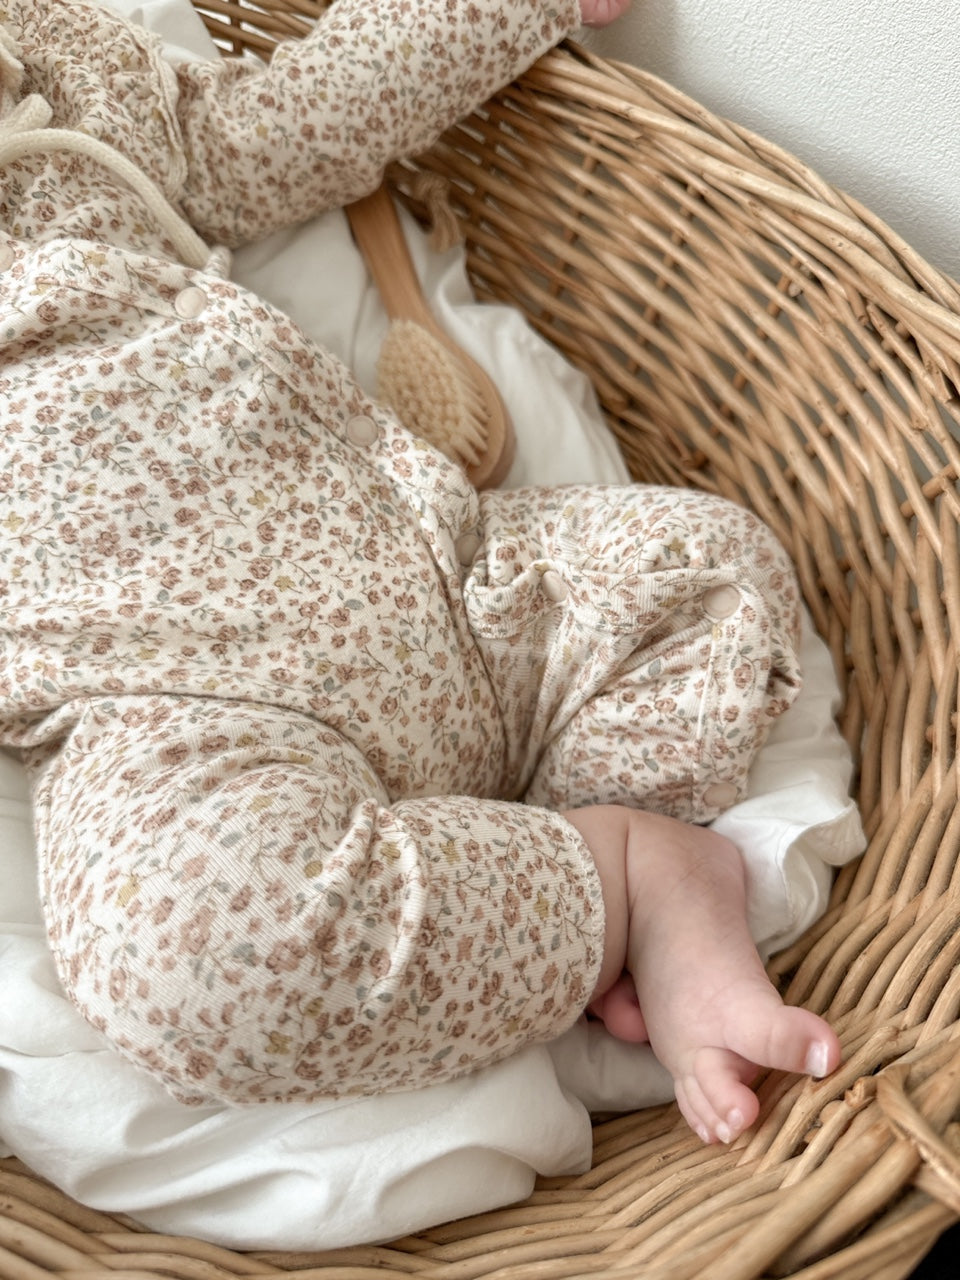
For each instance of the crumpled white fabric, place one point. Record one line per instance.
(324, 1175)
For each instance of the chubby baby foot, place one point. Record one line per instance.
(619, 1011)
(712, 1016)
(712, 1083)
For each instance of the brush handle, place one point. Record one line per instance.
(379, 237)
(376, 229)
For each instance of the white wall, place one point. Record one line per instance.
(867, 94)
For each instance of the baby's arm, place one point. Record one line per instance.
(702, 997)
(374, 80)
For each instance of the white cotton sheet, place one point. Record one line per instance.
(319, 1176)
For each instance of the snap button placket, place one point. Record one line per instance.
(466, 547)
(553, 586)
(720, 795)
(190, 302)
(362, 430)
(721, 602)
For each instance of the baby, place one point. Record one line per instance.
(347, 778)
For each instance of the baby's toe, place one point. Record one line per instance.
(695, 1109)
(790, 1040)
(714, 1097)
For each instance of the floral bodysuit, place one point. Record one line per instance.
(298, 704)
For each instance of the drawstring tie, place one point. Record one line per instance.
(24, 132)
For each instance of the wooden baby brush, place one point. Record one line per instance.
(433, 386)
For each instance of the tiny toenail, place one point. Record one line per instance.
(723, 1133)
(816, 1064)
(735, 1120)
(702, 1133)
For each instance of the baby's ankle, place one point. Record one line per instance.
(667, 856)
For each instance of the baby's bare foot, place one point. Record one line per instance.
(712, 1016)
(619, 1011)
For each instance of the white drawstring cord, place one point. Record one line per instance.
(23, 132)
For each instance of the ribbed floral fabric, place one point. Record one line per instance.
(298, 704)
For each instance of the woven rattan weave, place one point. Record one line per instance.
(751, 330)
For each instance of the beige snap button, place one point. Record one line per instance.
(720, 794)
(190, 302)
(720, 602)
(7, 257)
(362, 430)
(553, 586)
(466, 547)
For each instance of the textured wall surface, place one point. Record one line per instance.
(867, 93)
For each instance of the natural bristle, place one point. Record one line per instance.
(433, 396)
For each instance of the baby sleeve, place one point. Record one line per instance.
(232, 899)
(375, 80)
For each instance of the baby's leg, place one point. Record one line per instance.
(711, 1015)
(641, 642)
(644, 640)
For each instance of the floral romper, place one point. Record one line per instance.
(299, 706)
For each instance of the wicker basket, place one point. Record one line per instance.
(754, 331)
